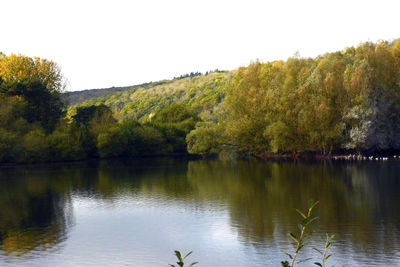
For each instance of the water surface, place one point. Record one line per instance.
(230, 213)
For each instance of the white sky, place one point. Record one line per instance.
(115, 43)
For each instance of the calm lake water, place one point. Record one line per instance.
(230, 213)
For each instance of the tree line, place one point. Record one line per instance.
(34, 126)
(337, 102)
(343, 101)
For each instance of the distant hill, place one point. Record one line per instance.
(200, 91)
(77, 97)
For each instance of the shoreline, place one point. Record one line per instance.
(261, 156)
(338, 156)
(95, 159)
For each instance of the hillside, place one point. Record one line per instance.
(200, 91)
(77, 97)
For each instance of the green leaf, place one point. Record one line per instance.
(303, 260)
(290, 256)
(188, 254)
(293, 237)
(301, 213)
(312, 206)
(193, 263)
(304, 222)
(317, 263)
(320, 252)
(315, 204)
(178, 255)
(313, 219)
(300, 226)
(327, 257)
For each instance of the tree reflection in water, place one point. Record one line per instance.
(34, 214)
(358, 202)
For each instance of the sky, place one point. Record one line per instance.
(100, 44)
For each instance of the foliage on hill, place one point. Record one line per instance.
(200, 92)
(77, 97)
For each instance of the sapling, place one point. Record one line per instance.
(325, 256)
(298, 239)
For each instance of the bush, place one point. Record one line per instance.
(111, 143)
(35, 146)
(130, 131)
(10, 148)
(64, 146)
(150, 141)
(204, 140)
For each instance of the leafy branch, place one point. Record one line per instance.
(307, 218)
(324, 254)
(180, 259)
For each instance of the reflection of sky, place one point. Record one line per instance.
(144, 231)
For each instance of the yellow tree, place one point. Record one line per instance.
(246, 106)
(14, 68)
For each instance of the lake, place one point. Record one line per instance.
(230, 213)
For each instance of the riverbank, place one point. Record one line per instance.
(94, 159)
(336, 156)
(392, 155)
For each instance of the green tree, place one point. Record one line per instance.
(35, 146)
(111, 142)
(247, 109)
(84, 115)
(65, 144)
(205, 140)
(130, 131)
(175, 122)
(40, 104)
(10, 148)
(150, 140)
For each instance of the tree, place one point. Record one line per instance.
(247, 108)
(40, 104)
(64, 145)
(111, 143)
(84, 115)
(177, 114)
(38, 83)
(14, 68)
(150, 140)
(91, 123)
(130, 131)
(10, 147)
(175, 122)
(35, 146)
(205, 140)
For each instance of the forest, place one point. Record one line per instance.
(340, 102)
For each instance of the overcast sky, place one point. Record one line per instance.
(115, 43)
